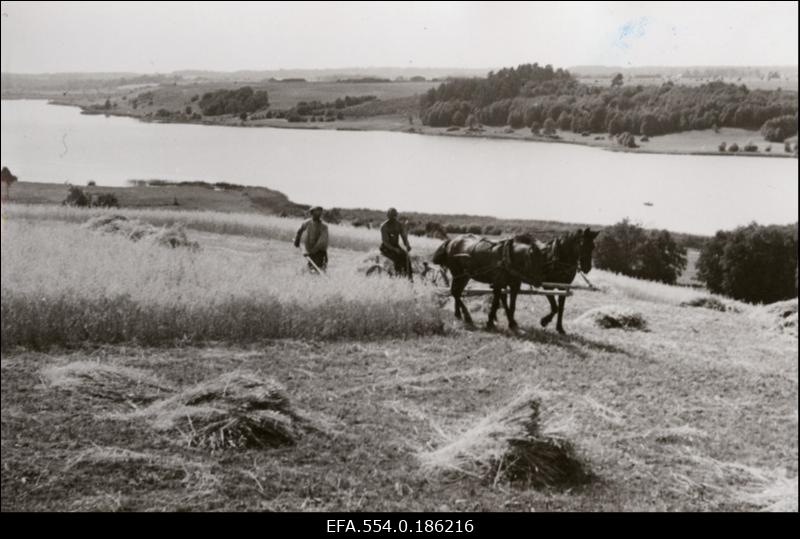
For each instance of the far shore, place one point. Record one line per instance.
(704, 143)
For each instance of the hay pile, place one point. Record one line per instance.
(106, 381)
(512, 444)
(780, 316)
(169, 236)
(236, 410)
(614, 317)
(707, 302)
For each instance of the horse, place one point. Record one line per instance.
(563, 257)
(505, 263)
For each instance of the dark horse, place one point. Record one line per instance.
(563, 257)
(501, 264)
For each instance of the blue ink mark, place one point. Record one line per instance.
(630, 31)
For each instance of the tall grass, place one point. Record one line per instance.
(244, 224)
(63, 285)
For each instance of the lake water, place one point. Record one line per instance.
(516, 179)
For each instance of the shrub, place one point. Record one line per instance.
(780, 128)
(536, 126)
(628, 249)
(752, 263)
(733, 148)
(549, 127)
(787, 147)
(626, 140)
(91, 183)
(750, 147)
(188, 110)
(76, 197)
(722, 146)
(106, 200)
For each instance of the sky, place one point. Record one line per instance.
(147, 37)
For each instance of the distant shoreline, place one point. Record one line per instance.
(399, 124)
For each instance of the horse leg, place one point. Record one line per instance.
(456, 289)
(512, 306)
(493, 311)
(561, 301)
(553, 311)
(455, 293)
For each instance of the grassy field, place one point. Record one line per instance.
(381, 389)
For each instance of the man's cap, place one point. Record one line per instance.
(315, 208)
(391, 211)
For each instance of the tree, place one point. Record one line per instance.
(7, 178)
(660, 258)
(549, 127)
(107, 104)
(76, 197)
(751, 263)
(617, 80)
(780, 128)
(628, 249)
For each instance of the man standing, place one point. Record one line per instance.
(316, 239)
(391, 232)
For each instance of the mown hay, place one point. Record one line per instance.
(512, 444)
(106, 381)
(706, 302)
(236, 410)
(780, 316)
(612, 317)
(168, 236)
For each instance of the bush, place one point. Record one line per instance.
(750, 147)
(733, 148)
(91, 183)
(626, 140)
(106, 200)
(628, 249)
(722, 146)
(536, 126)
(76, 197)
(780, 128)
(233, 101)
(752, 263)
(549, 127)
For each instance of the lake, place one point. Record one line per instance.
(504, 178)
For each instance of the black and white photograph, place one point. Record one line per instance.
(407, 262)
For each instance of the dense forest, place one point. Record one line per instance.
(531, 95)
(241, 101)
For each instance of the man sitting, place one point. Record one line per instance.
(391, 232)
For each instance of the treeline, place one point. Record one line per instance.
(752, 263)
(307, 108)
(631, 250)
(242, 101)
(531, 95)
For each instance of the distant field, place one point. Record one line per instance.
(751, 82)
(282, 95)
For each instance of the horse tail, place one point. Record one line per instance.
(440, 256)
